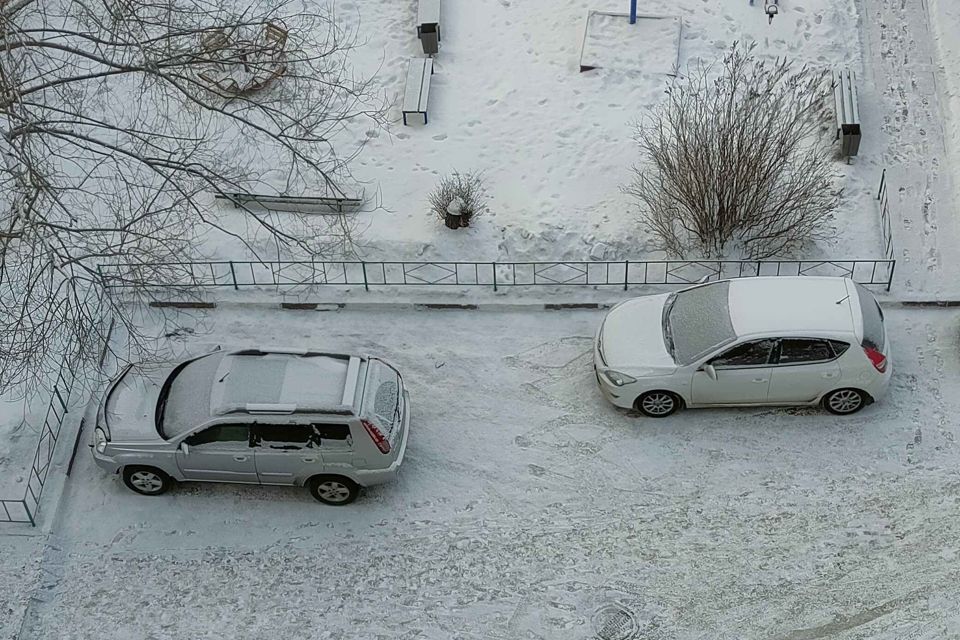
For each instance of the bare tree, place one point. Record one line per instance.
(737, 160)
(119, 118)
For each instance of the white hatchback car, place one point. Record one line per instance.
(749, 341)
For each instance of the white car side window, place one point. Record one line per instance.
(748, 354)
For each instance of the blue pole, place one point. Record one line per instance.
(633, 11)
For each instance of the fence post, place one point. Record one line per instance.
(493, 266)
(29, 515)
(233, 274)
(626, 274)
(366, 285)
(883, 177)
(893, 265)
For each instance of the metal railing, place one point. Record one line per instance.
(885, 228)
(25, 509)
(245, 274)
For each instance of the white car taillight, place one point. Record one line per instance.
(877, 359)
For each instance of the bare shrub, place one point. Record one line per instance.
(461, 196)
(737, 160)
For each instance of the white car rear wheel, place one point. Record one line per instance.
(843, 402)
(657, 404)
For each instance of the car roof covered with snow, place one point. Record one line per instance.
(792, 305)
(260, 381)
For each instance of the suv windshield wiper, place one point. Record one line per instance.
(165, 395)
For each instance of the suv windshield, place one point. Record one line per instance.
(697, 321)
(184, 399)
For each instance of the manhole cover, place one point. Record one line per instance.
(613, 622)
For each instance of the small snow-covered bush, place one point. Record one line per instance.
(458, 198)
(738, 159)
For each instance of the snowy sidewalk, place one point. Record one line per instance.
(528, 508)
(926, 231)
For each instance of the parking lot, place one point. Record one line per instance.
(529, 508)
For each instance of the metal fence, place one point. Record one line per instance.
(25, 509)
(246, 274)
(885, 229)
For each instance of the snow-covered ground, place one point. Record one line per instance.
(555, 145)
(529, 508)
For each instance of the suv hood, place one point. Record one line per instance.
(132, 403)
(631, 337)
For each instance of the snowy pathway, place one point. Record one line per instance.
(529, 509)
(900, 50)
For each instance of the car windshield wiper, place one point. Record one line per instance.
(667, 333)
(164, 396)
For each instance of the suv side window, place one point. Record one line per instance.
(285, 436)
(333, 436)
(803, 350)
(221, 435)
(748, 354)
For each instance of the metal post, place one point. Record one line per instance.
(233, 274)
(626, 274)
(493, 265)
(633, 11)
(366, 285)
(893, 265)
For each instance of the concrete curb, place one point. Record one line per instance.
(389, 305)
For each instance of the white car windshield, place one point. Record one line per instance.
(697, 321)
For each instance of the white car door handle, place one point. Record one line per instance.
(240, 458)
(309, 459)
(830, 374)
(759, 380)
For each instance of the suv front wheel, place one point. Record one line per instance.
(333, 490)
(146, 481)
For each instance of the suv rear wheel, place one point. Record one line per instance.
(333, 490)
(146, 481)
(843, 402)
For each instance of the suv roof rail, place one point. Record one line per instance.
(277, 408)
(291, 351)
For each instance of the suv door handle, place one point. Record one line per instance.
(240, 458)
(309, 459)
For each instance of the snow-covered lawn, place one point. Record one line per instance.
(555, 145)
(529, 508)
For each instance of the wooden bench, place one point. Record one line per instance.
(417, 89)
(848, 111)
(272, 201)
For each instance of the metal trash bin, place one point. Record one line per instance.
(430, 38)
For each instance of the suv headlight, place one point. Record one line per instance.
(617, 378)
(99, 440)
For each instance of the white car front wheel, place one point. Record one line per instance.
(657, 404)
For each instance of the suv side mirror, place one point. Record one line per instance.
(185, 448)
(710, 371)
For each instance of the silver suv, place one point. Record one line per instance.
(330, 422)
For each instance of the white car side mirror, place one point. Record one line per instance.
(710, 371)
(185, 448)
